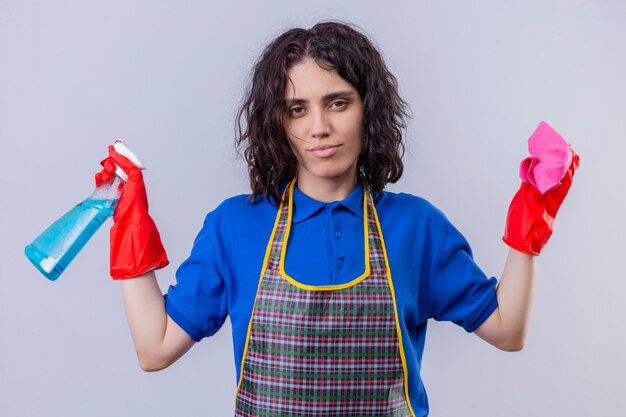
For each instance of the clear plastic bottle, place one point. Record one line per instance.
(55, 248)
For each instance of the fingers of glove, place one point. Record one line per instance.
(101, 177)
(108, 168)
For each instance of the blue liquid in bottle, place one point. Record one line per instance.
(53, 250)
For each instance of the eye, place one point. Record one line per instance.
(295, 111)
(339, 104)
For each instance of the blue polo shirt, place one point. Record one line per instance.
(432, 269)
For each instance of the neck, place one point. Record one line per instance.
(327, 190)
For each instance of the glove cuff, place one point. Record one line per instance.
(137, 249)
(128, 273)
(530, 248)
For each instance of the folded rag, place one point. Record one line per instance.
(551, 157)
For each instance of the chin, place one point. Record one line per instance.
(332, 175)
(329, 171)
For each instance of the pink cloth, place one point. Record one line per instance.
(551, 157)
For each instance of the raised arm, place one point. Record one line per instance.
(506, 327)
(546, 179)
(136, 251)
(159, 341)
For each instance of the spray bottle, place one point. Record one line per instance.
(55, 248)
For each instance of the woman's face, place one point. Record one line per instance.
(323, 119)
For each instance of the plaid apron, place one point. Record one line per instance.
(323, 350)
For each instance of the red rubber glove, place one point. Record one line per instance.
(530, 219)
(136, 246)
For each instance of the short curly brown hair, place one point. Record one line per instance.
(333, 45)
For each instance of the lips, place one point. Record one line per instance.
(324, 151)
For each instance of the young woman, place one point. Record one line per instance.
(329, 280)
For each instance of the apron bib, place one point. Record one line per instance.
(323, 350)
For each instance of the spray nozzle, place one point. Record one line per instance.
(123, 150)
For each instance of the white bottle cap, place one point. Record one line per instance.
(123, 150)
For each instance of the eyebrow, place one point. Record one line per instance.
(327, 97)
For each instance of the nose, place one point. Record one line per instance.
(320, 127)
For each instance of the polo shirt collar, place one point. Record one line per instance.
(305, 206)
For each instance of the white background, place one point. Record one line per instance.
(167, 77)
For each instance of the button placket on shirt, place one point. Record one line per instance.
(339, 261)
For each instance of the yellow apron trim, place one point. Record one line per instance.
(268, 251)
(395, 308)
(324, 287)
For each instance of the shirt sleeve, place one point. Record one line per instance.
(198, 302)
(463, 293)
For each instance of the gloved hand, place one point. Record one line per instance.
(531, 214)
(136, 246)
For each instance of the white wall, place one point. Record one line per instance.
(167, 78)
